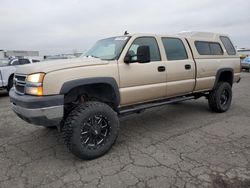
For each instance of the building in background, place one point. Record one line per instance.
(62, 56)
(17, 53)
(5, 54)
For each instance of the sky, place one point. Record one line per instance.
(66, 26)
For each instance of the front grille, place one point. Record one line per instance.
(19, 82)
(20, 78)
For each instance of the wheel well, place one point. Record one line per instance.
(226, 76)
(10, 77)
(100, 92)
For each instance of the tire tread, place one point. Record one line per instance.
(213, 103)
(70, 122)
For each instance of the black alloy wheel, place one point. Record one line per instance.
(95, 131)
(224, 97)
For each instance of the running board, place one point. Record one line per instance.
(140, 107)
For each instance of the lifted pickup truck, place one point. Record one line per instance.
(85, 96)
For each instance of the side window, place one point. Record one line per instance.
(216, 49)
(146, 41)
(24, 61)
(208, 48)
(174, 48)
(203, 48)
(228, 45)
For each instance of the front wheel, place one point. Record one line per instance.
(90, 130)
(220, 98)
(10, 84)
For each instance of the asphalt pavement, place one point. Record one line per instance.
(177, 145)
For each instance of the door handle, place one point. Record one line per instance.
(187, 66)
(161, 69)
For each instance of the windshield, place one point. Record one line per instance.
(3, 62)
(107, 49)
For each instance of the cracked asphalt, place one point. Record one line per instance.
(178, 145)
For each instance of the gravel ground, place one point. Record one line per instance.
(179, 145)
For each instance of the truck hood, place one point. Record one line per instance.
(54, 65)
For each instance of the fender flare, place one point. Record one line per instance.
(219, 72)
(67, 86)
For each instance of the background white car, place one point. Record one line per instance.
(8, 68)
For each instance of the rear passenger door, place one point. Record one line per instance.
(180, 67)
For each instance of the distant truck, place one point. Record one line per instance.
(8, 68)
(121, 75)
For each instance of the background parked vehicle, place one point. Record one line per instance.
(22, 61)
(245, 64)
(8, 68)
(243, 53)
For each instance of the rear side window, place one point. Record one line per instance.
(208, 48)
(24, 61)
(215, 49)
(228, 45)
(174, 48)
(203, 48)
(146, 41)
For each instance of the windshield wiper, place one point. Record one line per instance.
(92, 56)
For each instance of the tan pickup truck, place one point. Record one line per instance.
(84, 97)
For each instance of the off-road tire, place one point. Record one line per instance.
(215, 98)
(79, 118)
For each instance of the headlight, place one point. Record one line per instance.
(34, 84)
(35, 78)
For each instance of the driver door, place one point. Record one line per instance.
(142, 82)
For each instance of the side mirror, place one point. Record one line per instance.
(143, 54)
(128, 59)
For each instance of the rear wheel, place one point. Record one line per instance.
(90, 130)
(220, 98)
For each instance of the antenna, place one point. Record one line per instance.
(126, 33)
